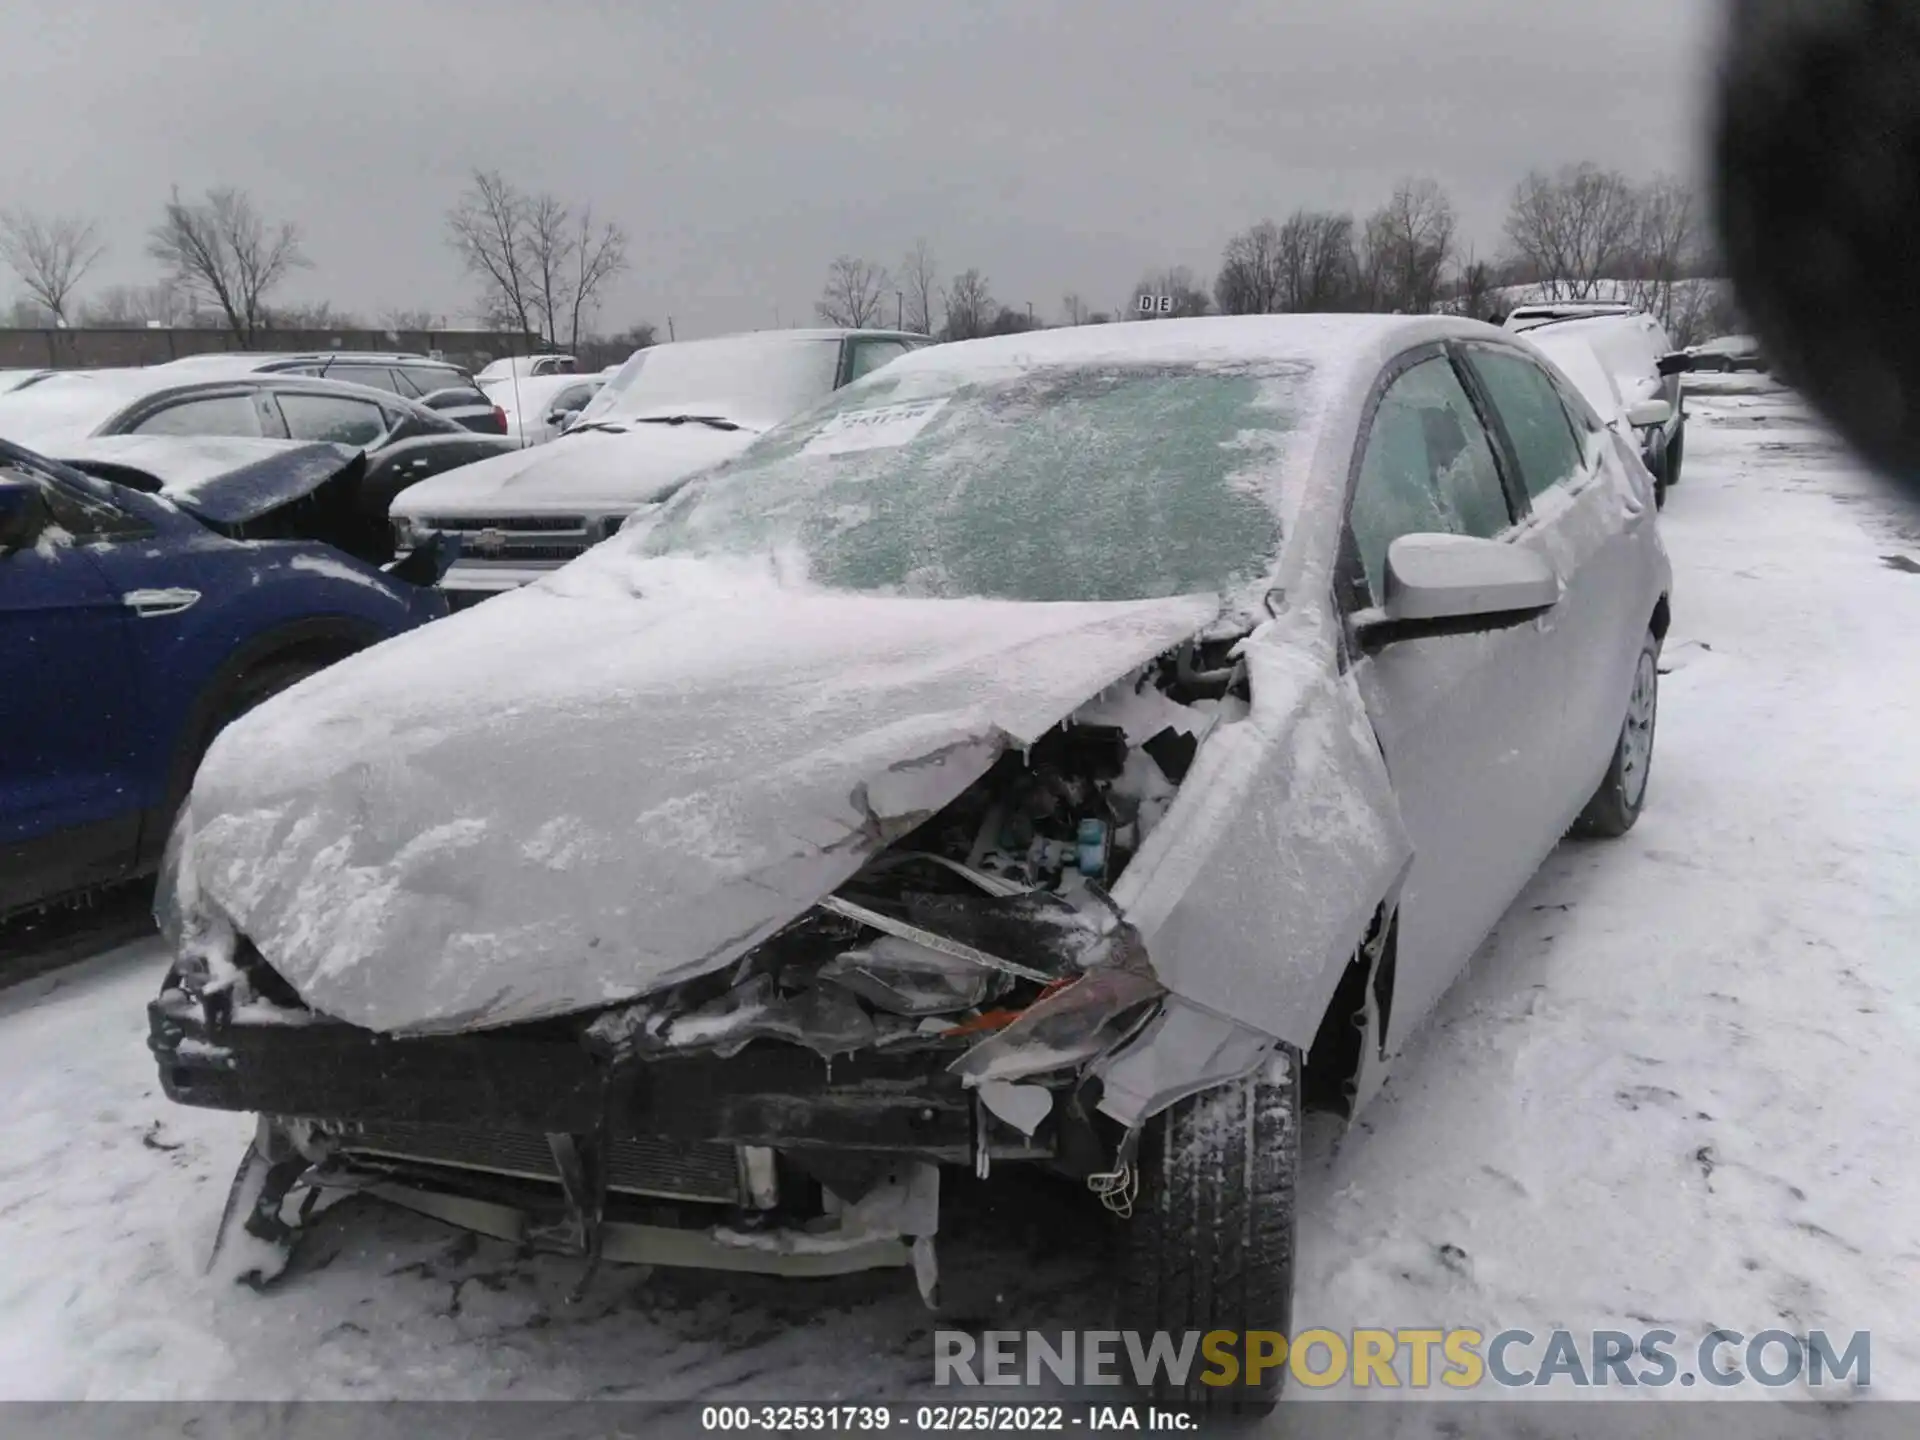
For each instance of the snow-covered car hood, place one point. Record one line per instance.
(587, 469)
(556, 802)
(228, 480)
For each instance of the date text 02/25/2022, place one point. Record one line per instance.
(963, 1419)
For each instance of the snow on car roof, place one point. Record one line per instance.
(1328, 340)
(69, 404)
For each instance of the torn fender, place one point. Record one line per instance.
(1256, 889)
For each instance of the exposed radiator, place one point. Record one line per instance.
(670, 1169)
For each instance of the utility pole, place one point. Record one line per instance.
(669, 329)
(899, 304)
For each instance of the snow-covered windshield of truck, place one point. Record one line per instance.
(754, 381)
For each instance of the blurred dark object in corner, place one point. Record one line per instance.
(1816, 180)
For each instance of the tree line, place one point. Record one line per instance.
(540, 265)
(1579, 233)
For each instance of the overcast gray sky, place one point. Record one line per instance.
(1055, 144)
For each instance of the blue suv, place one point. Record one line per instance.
(134, 626)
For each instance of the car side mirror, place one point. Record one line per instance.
(560, 417)
(1456, 585)
(1677, 363)
(1648, 414)
(23, 515)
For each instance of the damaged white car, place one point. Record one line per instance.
(1081, 749)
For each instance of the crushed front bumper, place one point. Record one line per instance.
(540, 1081)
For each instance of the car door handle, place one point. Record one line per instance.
(148, 604)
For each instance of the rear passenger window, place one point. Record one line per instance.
(214, 415)
(338, 418)
(1529, 406)
(1428, 469)
(425, 380)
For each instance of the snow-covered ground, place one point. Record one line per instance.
(1676, 1089)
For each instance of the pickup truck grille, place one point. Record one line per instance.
(676, 1170)
(538, 524)
(553, 538)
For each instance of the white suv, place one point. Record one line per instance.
(669, 413)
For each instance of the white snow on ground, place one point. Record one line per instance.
(1676, 1089)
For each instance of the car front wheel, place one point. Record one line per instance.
(1676, 455)
(1616, 804)
(1209, 1245)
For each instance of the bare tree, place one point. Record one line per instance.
(29, 314)
(1573, 229)
(541, 264)
(597, 256)
(969, 305)
(121, 305)
(487, 228)
(638, 336)
(1405, 247)
(918, 282)
(1177, 283)
(312, 316)
(1074, 308)
(547, 235)
(220, 249)
(50, 255)
(1474, 297)
(397, 317)
(1009, 321)
(1319, 270)
(851, 296)
(1249, 279)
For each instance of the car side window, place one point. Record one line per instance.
(1428, 468)
(573, 398)
(210, 415)
(378, 377)
(870, 355)
(426, 380)
(338, 418)
(1535, 419)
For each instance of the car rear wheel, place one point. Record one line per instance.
(1209, 1245)
(1617, 803)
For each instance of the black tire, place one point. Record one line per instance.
(254, 688)
(1210, 1243)
(257, 687)
(1675, 457)
(1623, 791)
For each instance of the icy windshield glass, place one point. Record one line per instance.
(1108, 482)
(756, 381)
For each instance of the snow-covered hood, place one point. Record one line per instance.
(592, 469)
(556, 802)
(227, 480)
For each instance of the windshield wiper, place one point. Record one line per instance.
(612, 427)
(718, 422)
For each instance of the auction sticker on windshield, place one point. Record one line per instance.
(880, 428)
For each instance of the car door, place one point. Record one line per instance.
(1587, 516)
(1457, 716)
(69, 705)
